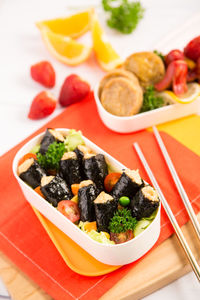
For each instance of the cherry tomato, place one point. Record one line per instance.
(27, 156)
(192, 50)
(121, 237)
(69, 209)
(110, 180)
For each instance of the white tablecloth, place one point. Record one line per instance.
(21, 46)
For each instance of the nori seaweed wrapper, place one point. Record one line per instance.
(69, 170)
(33, 175)
(80, 156)
(56, 190)
(125, 187)
(96, 169)
(141, 206)
(86, 197)
(104, 213)
(47, 140)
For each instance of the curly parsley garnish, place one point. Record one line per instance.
(151, 100)
(122, 221)
(50, 160)
(125, 16)
(160, 55)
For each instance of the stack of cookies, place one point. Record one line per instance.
(121, 90)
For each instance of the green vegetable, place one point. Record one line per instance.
(35, 149)
(50, 160)
(144, 223)
(101, 237)
(73, 139)
(150, 100)
(122, 221)
(160, 55)
(124, 201)
(141, 226)
(124, 14)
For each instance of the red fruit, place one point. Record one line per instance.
(176, 75)
(44, 73)
(73, 90)
(174, 55)
(42, 106)
(192, 50)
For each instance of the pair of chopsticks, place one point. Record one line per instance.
(166, 206)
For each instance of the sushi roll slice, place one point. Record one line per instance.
(80, 151)
(69, 168)
(128, 184)
(105, 206)
(55, 189)
(95, 169)
(51, 135)
(144, 203)
(31, 172)
(87, 193)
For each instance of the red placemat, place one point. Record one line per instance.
(23, 239)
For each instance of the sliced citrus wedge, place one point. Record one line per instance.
(192, 93)
(106, 55)
(73, 26)
(64, 48)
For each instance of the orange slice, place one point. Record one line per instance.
(106, 55)
(72, 26)
(64, 48)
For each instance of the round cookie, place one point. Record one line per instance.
(147, 66)
(114, 74)
(121, 97)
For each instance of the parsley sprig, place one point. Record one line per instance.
(122, 221)
(125, 16)
(151, 100)
(50, 160)
(159, 54)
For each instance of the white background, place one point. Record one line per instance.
(21, 46)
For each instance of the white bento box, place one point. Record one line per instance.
(119, 254)
(145, 119)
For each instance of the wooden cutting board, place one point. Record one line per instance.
(160, 267)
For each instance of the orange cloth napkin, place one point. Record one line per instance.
(24, 240)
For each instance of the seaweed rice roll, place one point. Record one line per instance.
(31, 172)
(105, 206)
(145, 202)
(80, 151)
(128, 184)
(51, 135)
(55, 189)
(86, 195)
(95, 169)
(69, 168)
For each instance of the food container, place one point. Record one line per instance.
(118, 254)
(145, 119)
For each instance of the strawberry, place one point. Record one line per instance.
(42, 106)
(73, 90)
(192, 50)
(44, 73)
